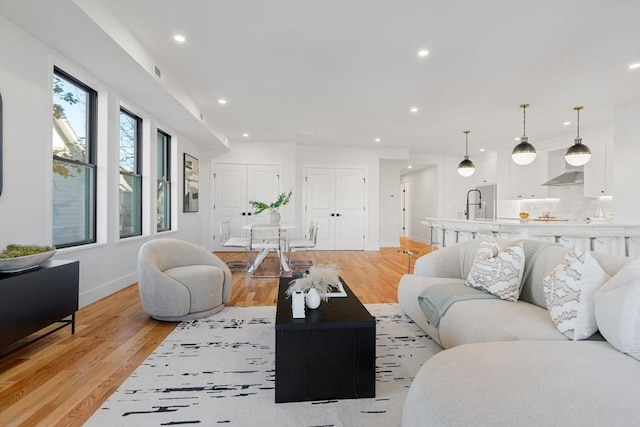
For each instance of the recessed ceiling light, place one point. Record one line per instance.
(516, 139)
(414, 109)
(482, 150)
(423, 53)
(246, 135)
(409, 167)
(179, 38)
(634, 66)
(566, 123)
(222, 101)
(377, 140)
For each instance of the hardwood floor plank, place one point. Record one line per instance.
(63, 379)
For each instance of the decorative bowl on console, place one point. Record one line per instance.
(11, 261)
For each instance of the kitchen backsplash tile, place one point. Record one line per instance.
(571, 204)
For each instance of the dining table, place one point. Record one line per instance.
(264, 252)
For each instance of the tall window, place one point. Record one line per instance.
(164, 181)
(74, 161)
(130, 174)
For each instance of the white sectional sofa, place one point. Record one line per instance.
(507, 364)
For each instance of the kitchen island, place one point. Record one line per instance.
(597, 235)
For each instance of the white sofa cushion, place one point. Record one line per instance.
(498, 271)
(569, 291)
(491, 320)
(526, 383)
(618, 309)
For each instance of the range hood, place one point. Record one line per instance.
(561, 172)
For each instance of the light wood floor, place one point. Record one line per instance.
(62, 379)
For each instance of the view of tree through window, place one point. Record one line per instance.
(130, 174)
(164, 181)
(74, 169)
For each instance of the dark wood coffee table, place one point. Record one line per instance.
(330, 354)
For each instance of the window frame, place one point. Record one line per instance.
(137, 165)
(91, 217)
(166, 177)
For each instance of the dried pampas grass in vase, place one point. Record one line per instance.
(320, 277)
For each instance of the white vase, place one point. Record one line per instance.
(274, 217)
(313, 298)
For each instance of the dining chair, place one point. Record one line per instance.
(308, 242)
(243, 243)
(264, 239)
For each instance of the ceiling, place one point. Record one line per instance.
(347, 72)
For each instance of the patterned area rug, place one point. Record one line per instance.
(220, 371)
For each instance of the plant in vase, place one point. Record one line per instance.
(259, 207)
(316, 284)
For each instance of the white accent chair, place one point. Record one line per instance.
(243, 243)
(178, 280)
(308, 242)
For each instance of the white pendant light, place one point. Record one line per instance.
(524, 153)
(466, 167)
(578, 154)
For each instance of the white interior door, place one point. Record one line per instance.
(320, 203)
(349, 209)
(230, 198)
(263, 184)
(236, 184)
(334, 198)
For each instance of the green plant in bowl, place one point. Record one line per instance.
(16, 258)
(15, 251)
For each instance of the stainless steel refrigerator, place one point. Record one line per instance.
(487, 208)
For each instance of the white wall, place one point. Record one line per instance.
(423, 201)
(26, 67)
(390, 204)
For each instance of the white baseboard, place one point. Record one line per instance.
(104, 290)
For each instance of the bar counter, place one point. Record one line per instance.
(619, 238)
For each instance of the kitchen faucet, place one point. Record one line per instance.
(479, 204)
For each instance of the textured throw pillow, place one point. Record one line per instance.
(498, 271)
(569, 291)
(618, 309)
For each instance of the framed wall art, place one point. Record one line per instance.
(191, 184)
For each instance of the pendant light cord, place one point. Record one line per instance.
(466, 143)
(578, 108)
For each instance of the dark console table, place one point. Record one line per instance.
(35, 299)
(330, 354)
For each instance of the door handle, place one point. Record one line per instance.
(249, 213)
(337, 214)
(333, 214)
(244, 213)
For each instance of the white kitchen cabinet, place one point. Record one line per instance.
(598, 172)
(525, 182)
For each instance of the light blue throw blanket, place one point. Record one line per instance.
(436, 300)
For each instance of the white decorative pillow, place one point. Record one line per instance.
(569, 291)
(618, 309)
(498, 271)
